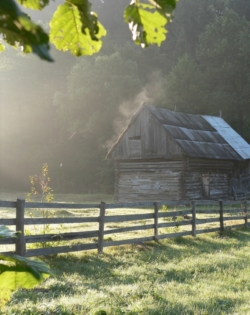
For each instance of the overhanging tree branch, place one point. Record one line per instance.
(76, 28)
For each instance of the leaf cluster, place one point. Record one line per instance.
(158, 12)
(19, 31)
(75, 28)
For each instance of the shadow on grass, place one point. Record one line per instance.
(91, 265)
(123, 266)
(215, 242)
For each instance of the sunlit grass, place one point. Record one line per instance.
(207, 275)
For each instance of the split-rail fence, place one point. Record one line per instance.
(224, 211)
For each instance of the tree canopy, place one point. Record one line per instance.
(75, 28)
(216, 78)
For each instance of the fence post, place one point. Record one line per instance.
(101, 227)
(156, 210)
(193, 219)
(20, 241)
(245, 211)
(221, 216)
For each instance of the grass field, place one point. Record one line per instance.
(75, 198)
(206, 275)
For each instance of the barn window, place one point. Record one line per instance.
(205, 185)
(135, 146)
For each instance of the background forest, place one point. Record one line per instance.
(68, 113)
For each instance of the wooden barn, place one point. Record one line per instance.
(165, 155)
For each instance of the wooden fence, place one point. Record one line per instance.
(226, 211)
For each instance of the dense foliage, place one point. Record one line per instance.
(216, 77)
(68, 113)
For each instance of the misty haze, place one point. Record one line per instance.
(128, 171)
(70, 112)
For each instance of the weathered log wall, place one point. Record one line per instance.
(149, 180)
(210, 165)
(219, 186)
(218, 171)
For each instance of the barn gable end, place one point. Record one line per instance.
(144, 138)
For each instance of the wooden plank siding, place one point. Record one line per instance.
(219, 172)
(149, 180)
(145, 138)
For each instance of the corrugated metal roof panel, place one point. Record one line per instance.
(189, 121)
(208, 150)
(204, 130)
(193, 135)
(195, 122)
(230, 135)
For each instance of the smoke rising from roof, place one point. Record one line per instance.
(151, 93)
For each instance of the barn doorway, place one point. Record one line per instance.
(205, 185)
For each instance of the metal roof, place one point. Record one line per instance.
(230, 135)
(198, 135)
(202, 136)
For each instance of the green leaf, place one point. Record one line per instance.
(13, 278)
(146, 23)
(75, 28)
(36, 267)
(19, 272)
(34, 4)
(19, 30)
(5, 232)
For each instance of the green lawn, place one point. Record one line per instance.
(206, 275)
(184, 276)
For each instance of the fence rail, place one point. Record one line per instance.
(189, 217)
